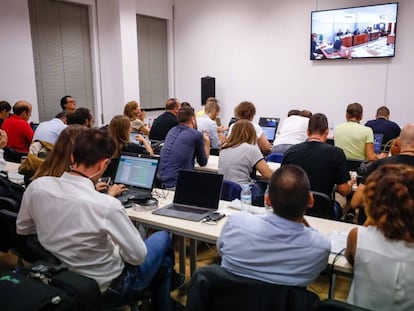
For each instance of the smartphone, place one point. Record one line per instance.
(105, 180)
(216, 216)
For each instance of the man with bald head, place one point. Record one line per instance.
(18, 130)
(406, 156)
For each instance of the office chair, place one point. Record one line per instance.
(275, 157)
(336, 305)
(13, 156)
(230, 190)
(213, 288)
(324, 207)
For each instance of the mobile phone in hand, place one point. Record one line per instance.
(105, 180)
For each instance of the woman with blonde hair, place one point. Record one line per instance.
(240, 157)
(119, 129)
(136, 117)
(382, 251)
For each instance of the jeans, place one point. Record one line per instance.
(154, 274)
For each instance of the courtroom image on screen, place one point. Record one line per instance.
(357, 32)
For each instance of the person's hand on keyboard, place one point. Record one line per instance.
(116, 189)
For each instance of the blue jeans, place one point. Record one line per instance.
(154, 274)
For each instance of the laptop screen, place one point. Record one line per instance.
(137, 171)
(378, 142)
(269, 127)
(198, 189)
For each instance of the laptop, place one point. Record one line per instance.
(137, 172)
(269, 127)
(196, 196)
(378, 137)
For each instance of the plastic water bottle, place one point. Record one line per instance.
(2, 161)
(246, 197)
(268, 208)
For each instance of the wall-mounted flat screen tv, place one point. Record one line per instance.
(357, 32)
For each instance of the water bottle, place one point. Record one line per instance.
(246, 197)
(268, 208)
(2, 161)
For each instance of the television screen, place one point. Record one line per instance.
(357, 32)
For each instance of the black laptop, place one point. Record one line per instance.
(269, 127)
(196, 196)
(137, 172)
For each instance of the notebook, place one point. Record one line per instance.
(137, 172)
(378, 137)
(269, 127)
(196, 196)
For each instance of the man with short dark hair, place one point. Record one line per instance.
(278, 247)
(163, 123)
(356, 140)
(68, 104)
(18, 130)
(4, 111)
(182, 145)
(82, 116)
(91, 233)
(382, 124)
(324, 164)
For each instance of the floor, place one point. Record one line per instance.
(207, 254)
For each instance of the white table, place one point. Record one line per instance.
(198, 231)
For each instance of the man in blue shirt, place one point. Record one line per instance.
(382, 124)
(182, 145)
(278, 247)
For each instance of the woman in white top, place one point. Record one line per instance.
(382, 251)
(240, 157)
(246, 111)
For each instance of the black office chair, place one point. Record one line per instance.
(230, 190)
(13, 156)
(324, 207)
(275, 157)
(213, 288)
(336, 305)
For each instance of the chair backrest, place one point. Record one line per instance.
(324, 207)
(213, 288)
(335, 305)
(230, 190)
(13, 156)
(8, 238)
(275, 157)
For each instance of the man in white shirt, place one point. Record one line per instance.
(49, 131)
(207, 123)
(90, 231)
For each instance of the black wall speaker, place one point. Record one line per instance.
(208, 88)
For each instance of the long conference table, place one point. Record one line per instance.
(198, 231)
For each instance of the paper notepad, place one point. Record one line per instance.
(338, 241)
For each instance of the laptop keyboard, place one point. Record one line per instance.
(183, 208)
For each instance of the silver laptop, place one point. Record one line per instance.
(138, 173)
(197, 195)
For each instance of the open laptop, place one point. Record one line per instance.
(196, 196)
(269, 127)
(378, 137)
(137, 172)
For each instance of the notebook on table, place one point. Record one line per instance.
(269, 127)
(196, 196)
(378, 137)
(137, 172)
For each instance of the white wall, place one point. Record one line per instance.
(17, 76)
(259, 51)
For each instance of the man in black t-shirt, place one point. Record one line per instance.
(165, 121)
(324, 164)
